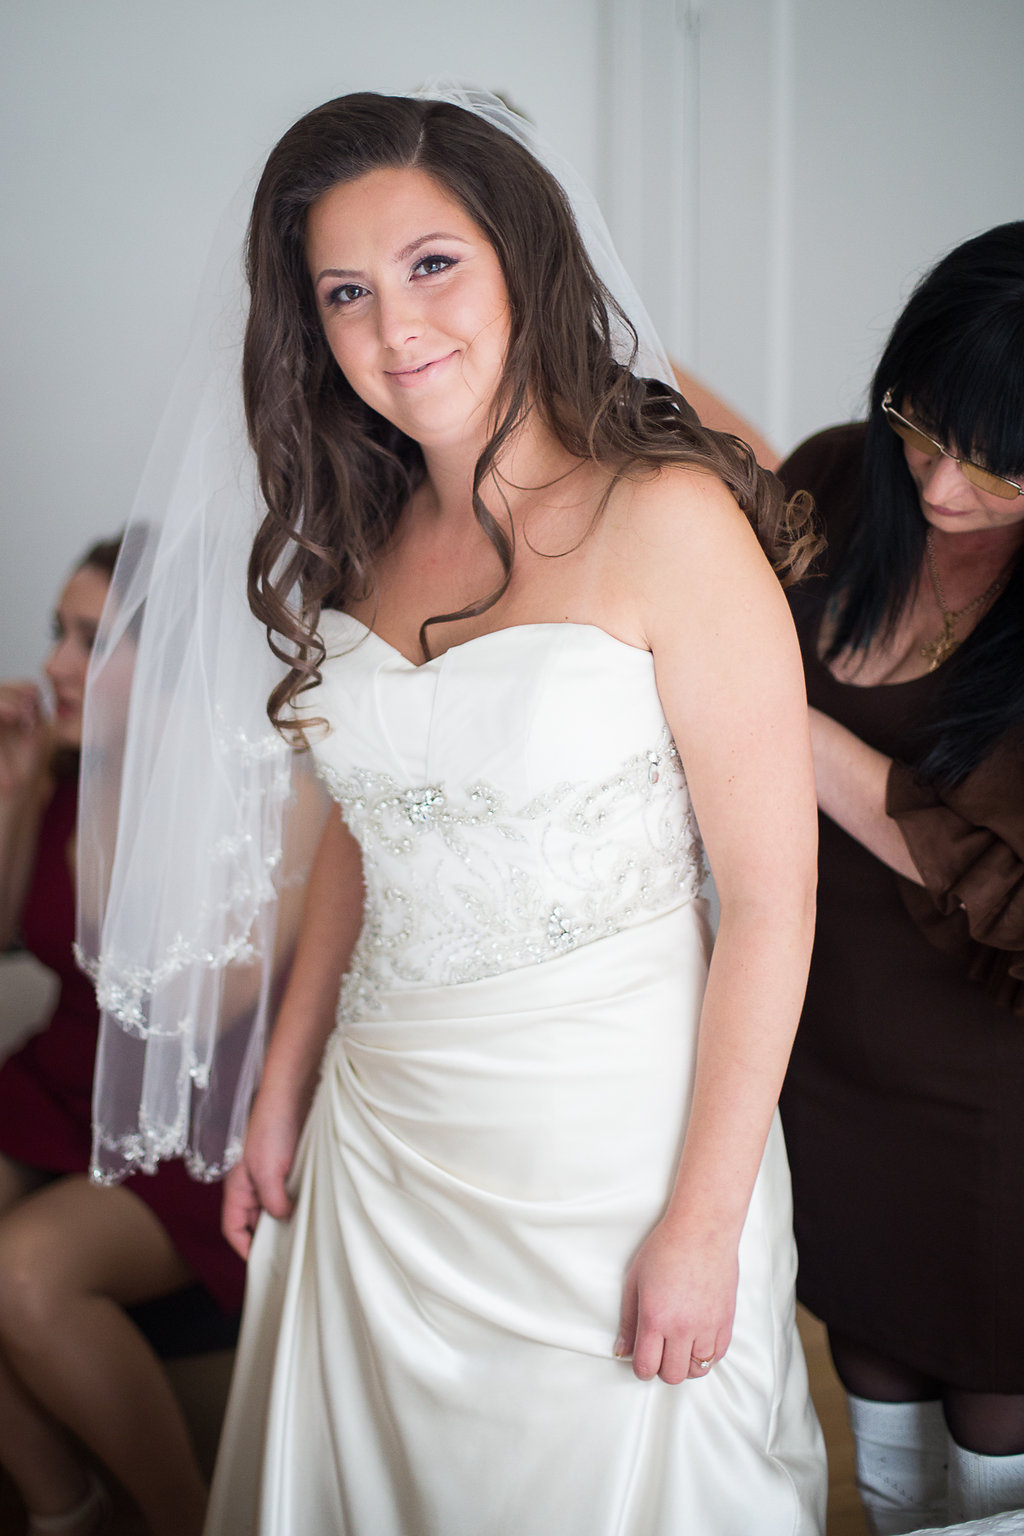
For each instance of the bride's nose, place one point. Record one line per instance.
(398, 318)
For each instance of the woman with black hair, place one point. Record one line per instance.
(902, 1104)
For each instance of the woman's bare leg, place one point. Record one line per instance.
(71, 1257)
(17, 1181)
(33, 1447)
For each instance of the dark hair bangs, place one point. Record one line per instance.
(965, 384)
(956, 353)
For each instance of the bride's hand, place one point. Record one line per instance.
(678, 1305)
(258, 1182)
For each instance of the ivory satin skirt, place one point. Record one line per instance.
(428, 1342)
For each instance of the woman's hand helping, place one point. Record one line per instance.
(678, 1305)
(24, 738)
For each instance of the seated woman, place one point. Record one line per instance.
(902, 1105)
(73, 1255)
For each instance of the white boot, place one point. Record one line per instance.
(983, 1485)
(901, 1464)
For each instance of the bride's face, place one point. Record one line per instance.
(413, 303)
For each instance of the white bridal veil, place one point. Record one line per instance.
(197, 822)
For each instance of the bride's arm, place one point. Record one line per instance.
(331, 919)
(730, 679)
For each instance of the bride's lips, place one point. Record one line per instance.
(416, 373)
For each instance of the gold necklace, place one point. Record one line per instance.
(943, 646)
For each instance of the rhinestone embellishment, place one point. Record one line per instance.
(461, 884)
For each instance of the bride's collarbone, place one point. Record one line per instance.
(401, 630)
(397, 612)
(542, 591)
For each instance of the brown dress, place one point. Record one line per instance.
(904, 1102)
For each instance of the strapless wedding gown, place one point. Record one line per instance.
(428, 1342)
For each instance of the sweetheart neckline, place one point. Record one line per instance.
(490, 634)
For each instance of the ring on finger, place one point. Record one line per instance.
(703, 1365)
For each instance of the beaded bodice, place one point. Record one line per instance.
(514, 799)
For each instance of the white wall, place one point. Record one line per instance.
(777, 172)
(908, 127)
(782, 171)
(128, 126)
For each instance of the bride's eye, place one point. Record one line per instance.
(430, 266)
(344, 294)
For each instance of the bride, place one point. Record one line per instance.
(517, 1203)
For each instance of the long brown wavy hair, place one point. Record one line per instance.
(336, 476)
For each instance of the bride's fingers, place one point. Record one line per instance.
(675, 1361)
(271, 1184)
(648, 1352)
(627, 1324)
(240, 1210)
(701, 1361)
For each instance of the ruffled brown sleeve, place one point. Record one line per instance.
(968, 845)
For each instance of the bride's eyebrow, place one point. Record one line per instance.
(414, 246)
(402, 255)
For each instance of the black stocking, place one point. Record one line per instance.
(987, 1423)
(867, 1373)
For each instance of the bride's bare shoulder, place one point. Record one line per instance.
(680, 513)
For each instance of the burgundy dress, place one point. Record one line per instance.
(904, 1103)
(46, 1086)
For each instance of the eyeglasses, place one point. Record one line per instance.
(983, 478)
